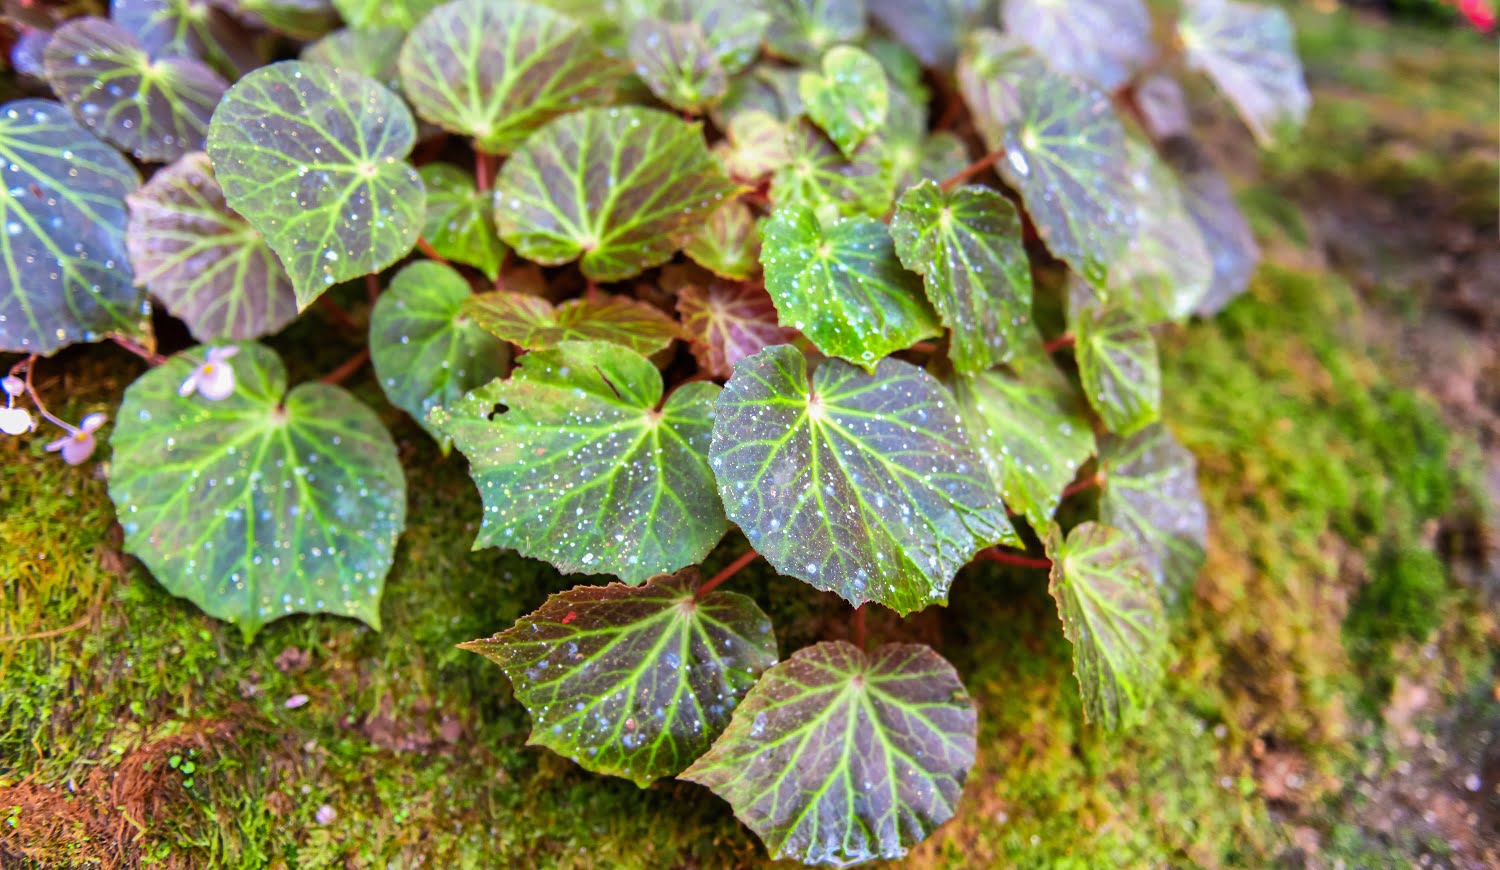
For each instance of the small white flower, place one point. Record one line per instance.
(16, 421)
(214, 378)
(13, 386)
(326, 815)
(78, 445)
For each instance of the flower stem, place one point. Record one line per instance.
(996, 554)
(1062, 341)
(857, 627)
(729, 571)
(337, 314)
(429, 253)
(1077, 486)
(349, 367)
(36, 399)
(138, 349)
(484, 169)
(973, 169)
(372, 287)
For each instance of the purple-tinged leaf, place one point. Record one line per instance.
(801, 30)
(726, 322)
(1249, 51)
(1151, 493)
(673, 58)
(194, 29)
(728, 243)
(1103, 41)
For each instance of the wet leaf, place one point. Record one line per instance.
(1119, 367)
(802, 30)
(1151, 493)
(755, 145)
(1113, 616)
(764, 87)
(843, 287)
(191, 28)
(1031, 433)
(261, 504)
(673, 58)
(838, 757)
(727, 322)
(848, 99)
(728, 243)
(62, 206)
(816, 173)
(613, 186)
(427, 352)
(1064, 150)
(313, 158)
(156, 109)
(497, 72)
(634, 681)
(584, 466)
(1210, 203)
(207, 265)
(733, 30)
(1248, 49)
(385, 13)
(967, 244)
(930, 28)
(1103, 41)
(372, 53)
(534, 323)
(460, 223)
(859, 484)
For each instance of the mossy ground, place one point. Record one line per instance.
(135, 730)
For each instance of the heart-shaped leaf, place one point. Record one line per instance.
(755, 145)
(930, 28)
(460, 221)
(634, 681)
(1118, 364)
(427, 352)
(1249, 50)
(313, 157)
(157, 110)
(848, 99)
(860, 484)
(62, 206)
(673, 58)
(587, 468)
(404, 14)
(842, 286)
(801, 30)
(191, 28)
(967, 245)
(1103, 41)
(816, 173)
(727, 322)
(1031, 433)
(1064, 150)
(1151, 493)
(533, 323)
(496, 72)
(838, 757)
(203, 261)
(613, 186)
(1210, 203)
(728, 243)
(373, 53)
(1112, 614)
(260, 504)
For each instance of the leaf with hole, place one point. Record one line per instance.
(260, 504)
(460, 224)
(1151, 493)
(1119, 366)
(192, 28)
(533, 323)
(838, 757)
(728, 243)
(497, 72)
(314, 158)
(156, 109)
(967, 245)
(62, 205)
(1249, 51)
(1103, 41)
(848, 99)
(634, 681)
(1113, 615)
(726, 322)
(616, 187)
(857, 483)
(427, 351)
(207, 265)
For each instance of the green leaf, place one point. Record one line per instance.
(313, 158)
(860, 484)
(204, 262)
(727, 322)
(1103, 41)
(1250, 52)
(299, 19)
(1064, 150)
(849, 99)
(837, 757)
(1113, 616)
(1118, 364)
(496, 72)
(937, 158)
(616, 187)
(460, 221)
(734, 30)
(372, 53)
(1167, 270)
(187, 28)
(930, 28)
(533, 323)
(728, 243)
(62, 207)
(755, 145)
(427, 352)
(1151, 494)
(842, 286)
(801, 30)
(1210, 203)
(385, 13)
(1031, 433)
(634, 681)
(967, 244)
(764, 87)
(587, 468)
(261, 504)
(158, 110)
(674, 60)
(817, 173)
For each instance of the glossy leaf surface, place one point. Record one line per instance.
(728, 243)
(1103, 41)
(371, 52)
(634, 681)
(1119, 367)
(727, 322)
(673, 58)
(1151, 493)
(191, 28)
(1249, 51)
(848, 99)
(802, 30)
(816, 173)
(460, 222)
(533, 323)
